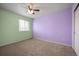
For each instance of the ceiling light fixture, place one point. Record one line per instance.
(31, 9)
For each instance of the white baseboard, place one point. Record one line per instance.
(55, 42)
(13, 42)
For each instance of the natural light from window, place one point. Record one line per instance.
(23, 25)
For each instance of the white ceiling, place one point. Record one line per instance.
(45, 8)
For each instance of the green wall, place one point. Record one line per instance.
(9, 28)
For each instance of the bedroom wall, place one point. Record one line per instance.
(9, 28)
(54, 27)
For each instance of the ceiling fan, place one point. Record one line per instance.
(31, 9)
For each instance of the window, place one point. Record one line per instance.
(23, 25)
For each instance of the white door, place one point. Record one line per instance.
(77, 31)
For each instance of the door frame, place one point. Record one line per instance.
(77, 6)
(74, 16)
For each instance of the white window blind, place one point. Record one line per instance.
(23, 25)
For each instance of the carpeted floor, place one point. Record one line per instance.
(34, 47)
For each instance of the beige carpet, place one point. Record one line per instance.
(34, 47)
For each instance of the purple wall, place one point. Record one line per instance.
(54, 27)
